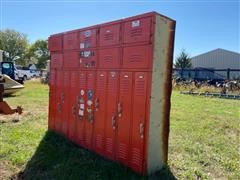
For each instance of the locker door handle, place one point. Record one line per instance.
(141, 130)
(62, 97)
(114, 122)
(96, 104)
(119, 109)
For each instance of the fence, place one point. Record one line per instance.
(202, 74)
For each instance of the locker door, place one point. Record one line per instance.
(111, 114)
(89, 116)
(65, 111)
(56, 60)
(82, 82)
(124, 117)
(52, 100)
(109, 35)
(99, 111)
(138, 122)
(70, 41)
(73, 114)
(88, 38)
(55, 43)
(59, 101)
(109, 58)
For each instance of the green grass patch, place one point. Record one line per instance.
(204, 142)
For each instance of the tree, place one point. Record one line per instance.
(183, 60)
(13, 43)
(38, 51)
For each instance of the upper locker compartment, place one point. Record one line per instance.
(110, 35)
(55, 43)
(56, 60)
(137, 30)
(88, 38)
(70, 41)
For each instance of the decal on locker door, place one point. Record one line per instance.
(88, 38)
(88, 59)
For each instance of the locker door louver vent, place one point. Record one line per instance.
(108, 36)
(108, 59)
(73, 80)
(124, 88)
(136, 157)
(99, 141)
(109, 145)
(82, 80)
(136, 32)
(135, 58)
(122, 153)
(139, 87)
(112, 86)
(101, 83)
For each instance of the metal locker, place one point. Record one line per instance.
(109, 35)
(71, 59)
(81, 94)
(70, 41)
(99, 111)
(138, 120)
(111, 113)
(52, 100)
(88, 59)
(124, 108)
(88, 38)
(136, 57)
(89, 110)
(73, 113)
(56, 60)
(137, 30)
(109, 58)
(65, 102)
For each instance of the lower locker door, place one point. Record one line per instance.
(89, 113)
(52, 101)
(138, 121)
(124, 117)
(59, 101)
(99, 111)
(66, 100)
(111, 114)
(73, 114)
(81, 93)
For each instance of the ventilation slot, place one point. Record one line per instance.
(136, 32)
(140, 88)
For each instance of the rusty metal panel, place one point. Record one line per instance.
(99, 111)
(70, 41)
(111, 113)
(88, 38)
(138, 120)
(56, 60)
(71, 59)
(137, 30)
(109, 35)
(136, 57)
(55, 43)
(124, 109)
(109, 58)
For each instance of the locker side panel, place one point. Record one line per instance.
(89, 116)
(124, 117)
(73, 114)
(100, 109)
(55, 43)
(138, 121)
(52, 100)
(111, 114)
(82, 83)
(66, 100)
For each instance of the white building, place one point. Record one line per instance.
(219, 59)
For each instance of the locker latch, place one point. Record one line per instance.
(96, 104)
(141, 130)
(119, 109)
(62, 97)
(114, 122)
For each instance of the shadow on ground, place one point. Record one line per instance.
(57, 158)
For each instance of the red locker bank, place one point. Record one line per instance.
(110, 88)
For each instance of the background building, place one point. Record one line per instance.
(219, 59)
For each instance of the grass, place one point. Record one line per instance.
(204, 142)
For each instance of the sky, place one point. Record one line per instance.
(202, 25)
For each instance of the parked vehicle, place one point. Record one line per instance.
(34, 73)
(23, 73)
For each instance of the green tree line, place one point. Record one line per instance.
(17, 48)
